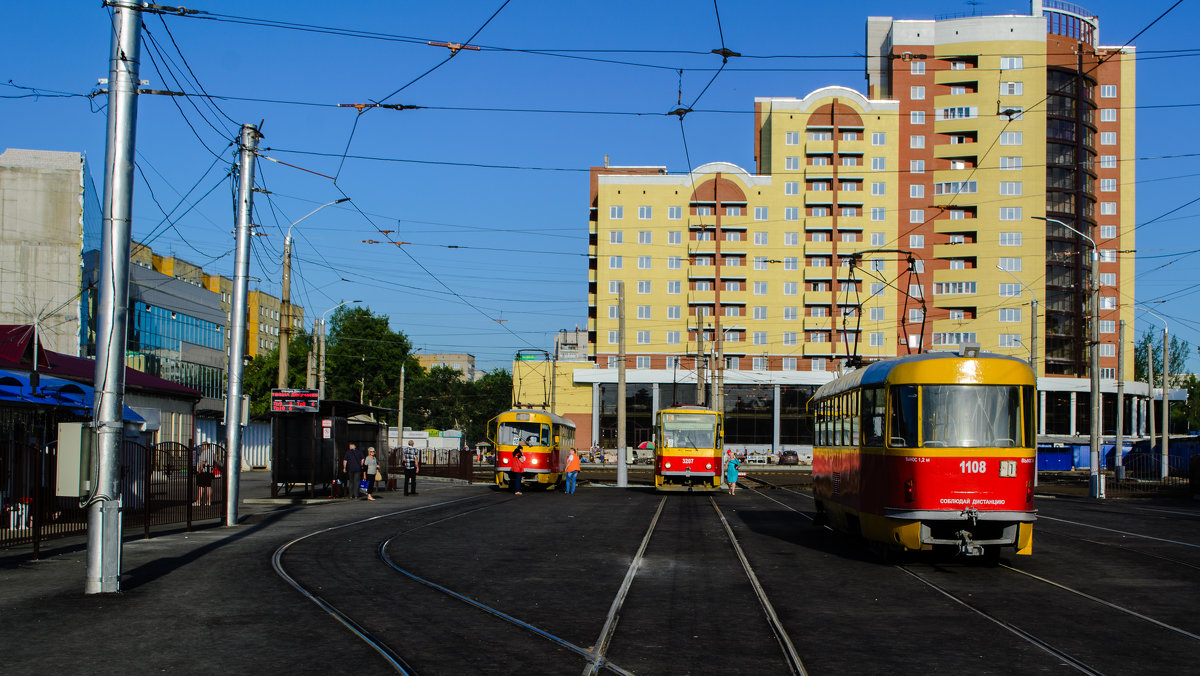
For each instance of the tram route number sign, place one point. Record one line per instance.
(294, 401)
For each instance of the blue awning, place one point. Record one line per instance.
(51, 391)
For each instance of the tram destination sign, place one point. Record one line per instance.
(294, 401)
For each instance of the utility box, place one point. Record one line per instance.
(78, 461)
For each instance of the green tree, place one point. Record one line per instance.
(363, 357)
(1150, 343)
(1187, 417)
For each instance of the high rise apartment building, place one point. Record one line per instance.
(907, 218)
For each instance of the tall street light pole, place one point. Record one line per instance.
(285, 310)
(1094, 367)
(321, 367)
(1166, 434)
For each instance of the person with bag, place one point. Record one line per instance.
(731, 471)
(518, 470)
(352, 466)
(412, 466)
(370, 472)
(205, 458)
(572, 470)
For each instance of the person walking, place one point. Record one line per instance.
(731, 471)
(204, 474)
(370, 467)
(352, 467)
(572, 470)
(518, 470)
(412, 466)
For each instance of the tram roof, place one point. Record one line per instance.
(553, 417)
(879, 372)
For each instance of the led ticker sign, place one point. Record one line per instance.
(294, 401)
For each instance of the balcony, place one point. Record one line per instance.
(824, 274)
(818, 323)
(818, 248)
(968, 250)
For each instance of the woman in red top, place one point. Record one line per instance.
(518, 470)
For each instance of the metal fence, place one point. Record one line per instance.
(453, 463)
(1140, 475)
(156, 483)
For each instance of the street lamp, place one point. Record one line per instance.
(285, 323)
(1094, 367)
(321, 377)
(1033, 326)
(1166, 420)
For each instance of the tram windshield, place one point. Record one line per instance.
(528, 433)
(688, 430)
(959, 416)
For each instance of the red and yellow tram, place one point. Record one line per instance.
(687, 452)
(545, 439)
(928, 451)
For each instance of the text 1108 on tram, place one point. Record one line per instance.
(545, 439)
(930, 451)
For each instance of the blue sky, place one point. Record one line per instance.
(487, 185)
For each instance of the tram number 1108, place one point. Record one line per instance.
(1008, 468)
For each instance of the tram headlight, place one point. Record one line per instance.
(504, 461)
(667, 465)
(533, 461)
(708, 465)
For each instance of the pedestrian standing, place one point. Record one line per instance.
(731, 471)
(352, 467)
(412, 466)
(572, 471)
(204, 474)
(370, 467)
(518, 470)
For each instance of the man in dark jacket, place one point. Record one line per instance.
(352, 468)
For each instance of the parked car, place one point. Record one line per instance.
(789, 458)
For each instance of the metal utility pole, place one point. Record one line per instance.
(622, 465)
(700, 377)
(104, 516)
(400, 411)
(1119, 442)
(1150, 389)
(285, 305)
(1166, 405)
(310, 381)
(321, 354)
(238, 320)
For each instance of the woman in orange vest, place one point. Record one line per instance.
(572, 471)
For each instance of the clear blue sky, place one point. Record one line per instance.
(490, 196)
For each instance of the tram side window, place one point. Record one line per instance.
(874, 407)
(841, 421)
(852, 418)
(1030, 411)
(546, 440)
(903, 416)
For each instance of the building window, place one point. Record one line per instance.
(1010, 213)
(788, 364)
(916, 166)
(916, 215)
(643, 287)
(614, 337)
(614, 287)
(1010, 314)
(612, 362)
(614, 262)
(878, 213)
(1012, 62)
(616, 212)
(954, 337)
(674, 262)
(643, 312)
(791, 163)
(916, 241)
(818, 160)
(850, 212)
(1010, 340)
(760, 262)
(916, 67)
(612, 312)
(792, 213)
(1108, 138)
(916, 93)
(760, 213)
(616, 237)
(760, 288)
(673, 312)
(644, 213)
(849, 136)
(1108, 185)
(1011, 138)
(760, 239)
(789, 338)
(820, 136)
(733, 211)
(954, 288)
(1108, 231)
(791, 239)
(1108, 161)
(644, 237)
(876, 340)
(1012, 88)
(704, 211)
(1108, 279)
(1010, 264)
(674, 288)
(672, 339)
(759, 338)
(1010, 239)
(643, 337)
(916, 117)
(643, 262)
(1108, 326)
(674, 213)
(878, 163)
(791, 313)
(916, 190)
(1108, 255)
(1010, 163)
(818, 364)
(1108, 208)
(1108, 91)
(1010, 188)
(674, 237)
(791, 138)
(791, 188)
(1008, 290)
(916, 141)
(1108, 302)
(1108, 115)
(878, 138)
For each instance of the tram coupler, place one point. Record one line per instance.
(967, 546)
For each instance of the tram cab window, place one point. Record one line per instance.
(904, 416)
(971, 416)
(528, 433)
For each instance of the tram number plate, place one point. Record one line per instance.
(1008, 468)
(688, 461)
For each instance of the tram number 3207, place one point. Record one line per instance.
(1007, 467)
